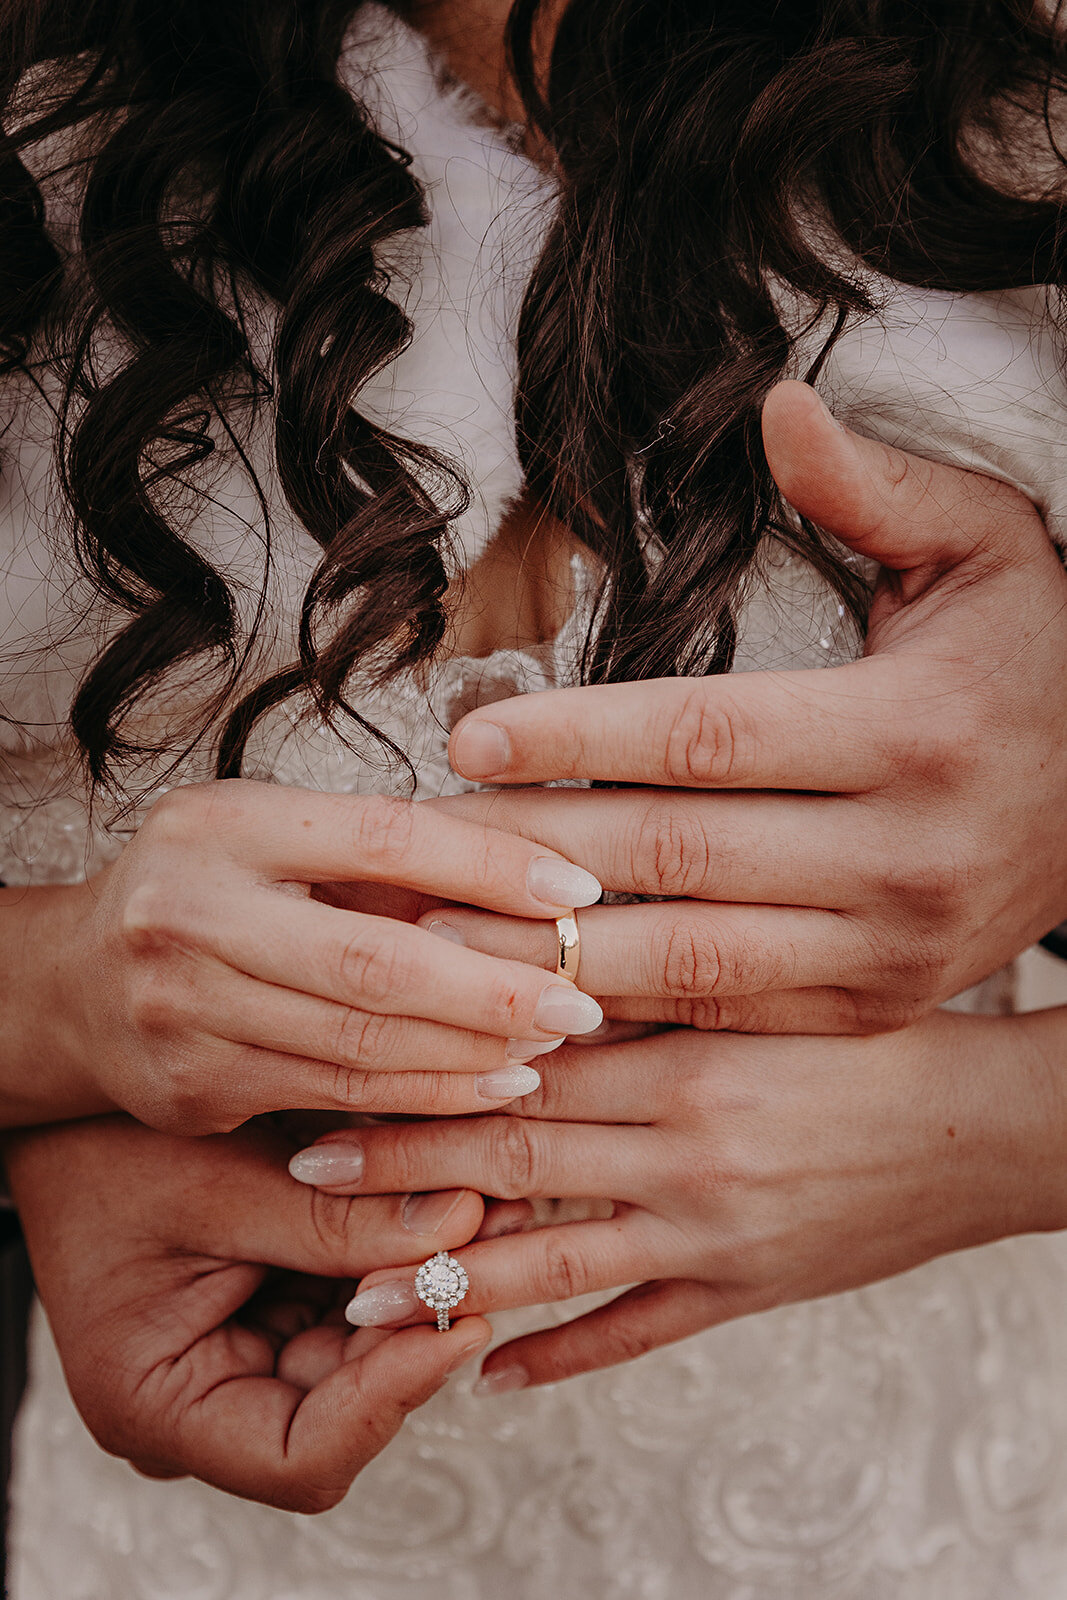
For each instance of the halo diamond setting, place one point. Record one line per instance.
(441, 1283)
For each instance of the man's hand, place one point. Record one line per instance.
(745, 1173)
(843, 849)
(194, 1291)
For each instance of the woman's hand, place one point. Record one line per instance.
(745, 1173)
(844, 848)
(193, 1290)
(200, 980)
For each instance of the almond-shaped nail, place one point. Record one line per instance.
(445, 930)
(529, 1049)
(561, 883)
(327, 1164)
(385, 1303)
(473, 1349)
(502, 1380)
(507, 1084)
(564, 1009)
(480, 749)
(428, 1213)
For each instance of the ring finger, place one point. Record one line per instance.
(542, 1267)
(682, 949)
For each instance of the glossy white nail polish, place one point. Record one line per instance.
(528, 1049)
(564, 1009)
(503, 1381)
(561, 883)
(327, 1164)
(382, 1305)
(508, 1083)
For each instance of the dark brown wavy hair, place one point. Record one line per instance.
(706, 152)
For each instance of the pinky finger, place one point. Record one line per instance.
(265, 1080)
(636, 1322)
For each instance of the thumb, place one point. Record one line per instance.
(901, 510)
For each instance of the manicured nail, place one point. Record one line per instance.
(527, 1049)
(507, 1084)
(445, 930)
(564, 1009)
(385, 1303)
(481, 750)
(501, 1381)
(328, 1164)
(428, 1213)
(561, 883)
(469, 1350)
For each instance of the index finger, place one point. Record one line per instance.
(831, 729)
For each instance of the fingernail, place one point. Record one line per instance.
(327, 1164)
(527, 1049)
(428, 1213)
(462, 1356)
(561, 883)
(595, 1035)
(445, 930)
(385, 1303)
(564, 1009)
(481, 750)
(501, 1381)
(507, 1084)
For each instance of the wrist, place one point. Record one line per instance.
(1039, 1058)
(44, 1073)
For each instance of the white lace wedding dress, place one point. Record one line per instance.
(908, 1442)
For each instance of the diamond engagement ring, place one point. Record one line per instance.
(441, 1283)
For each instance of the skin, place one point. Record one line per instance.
(742, 1171)
(843, 849)
(235, 960)
(746, 1172)
(193, 1289)
(950, 1132)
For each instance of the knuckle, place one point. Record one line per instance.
(362, 1037)
(333, 1223)
(705, 743)
(152, 1006)
(873, 1013)
(383, 828)
(147, 917)
(671, 852)
(375, 972)
(706, 1014)
(347, 1087)
(625, 1341)
(561, 1276)
(692, 962)
(517, 1161)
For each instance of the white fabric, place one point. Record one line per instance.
(908, 1442)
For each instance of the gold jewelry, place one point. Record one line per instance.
(568, 947)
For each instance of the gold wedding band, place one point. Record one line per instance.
(568, 947)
